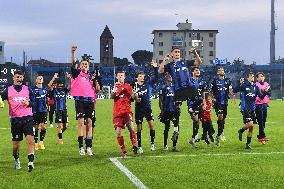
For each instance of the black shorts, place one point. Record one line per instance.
(84, 109)
(167, 116)
(61, 117)
(25, 127)
(40, 117)
(248, 117)
(221, 109)
(185, 94)
(140, 113)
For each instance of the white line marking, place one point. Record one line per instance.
(128, 173)
(196, 155)
(5, 128)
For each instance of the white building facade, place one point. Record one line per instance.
(185, 38)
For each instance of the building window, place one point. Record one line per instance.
(1, 49)
(210, 44)
(161, 44)
(177, 43)
(161, 53)
(160, 61)
(198, 36)
(184, 53)
(211, 53)
(160, 34)
(189, 44)
(189, 35)
(211, 35)
(174, 34)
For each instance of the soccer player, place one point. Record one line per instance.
(143, 107)
(261, 106)
(221, 89)
(51, 107)
(248, 101)
(21, 117)
(180, 73)
(169, 112)
(195, 108)
(122, 94)
(59, 95)
(83, 91)
(40, 94)
(206, 120)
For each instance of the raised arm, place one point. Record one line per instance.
(50, 87)
(197, 61)
(73, 55)
(165, 61)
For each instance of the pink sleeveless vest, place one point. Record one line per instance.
(266, 98)
(16, 109)
(82, 86)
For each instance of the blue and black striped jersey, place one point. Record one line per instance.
(248, 95)
(180, 72)
(198, 84)
(60, 96)
(39, 99)
(166, 96)
(144, 91)
(220, 89)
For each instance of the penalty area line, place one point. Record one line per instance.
(128, 173)
(204, 155)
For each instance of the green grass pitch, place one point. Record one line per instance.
(226, 166)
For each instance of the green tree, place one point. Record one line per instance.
(120, 61)
(142, 57)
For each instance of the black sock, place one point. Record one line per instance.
(166, 134)
(248, 140)
(42, 134)
(16, 156)
(36, 135)
(80, 141)
(195, 129)
(64, 129)
(31, 157)
(242, 130)
(88, 142)
(139, 138)
(220, 127)
(59, 136)
(175, 142)
(152, 135)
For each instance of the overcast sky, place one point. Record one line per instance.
(47, 28)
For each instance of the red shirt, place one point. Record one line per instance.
(206, 115)
(122, 100)
(50, 101)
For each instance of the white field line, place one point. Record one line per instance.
(199, 155)
(128, 173)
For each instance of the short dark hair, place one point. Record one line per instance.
(174, 48)
(139, 73)
(220, 67)
(192, 68)
(59, 82)
(207, 95)
(259, 73)
(19, 72)
(120, 71)
(250, 73)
